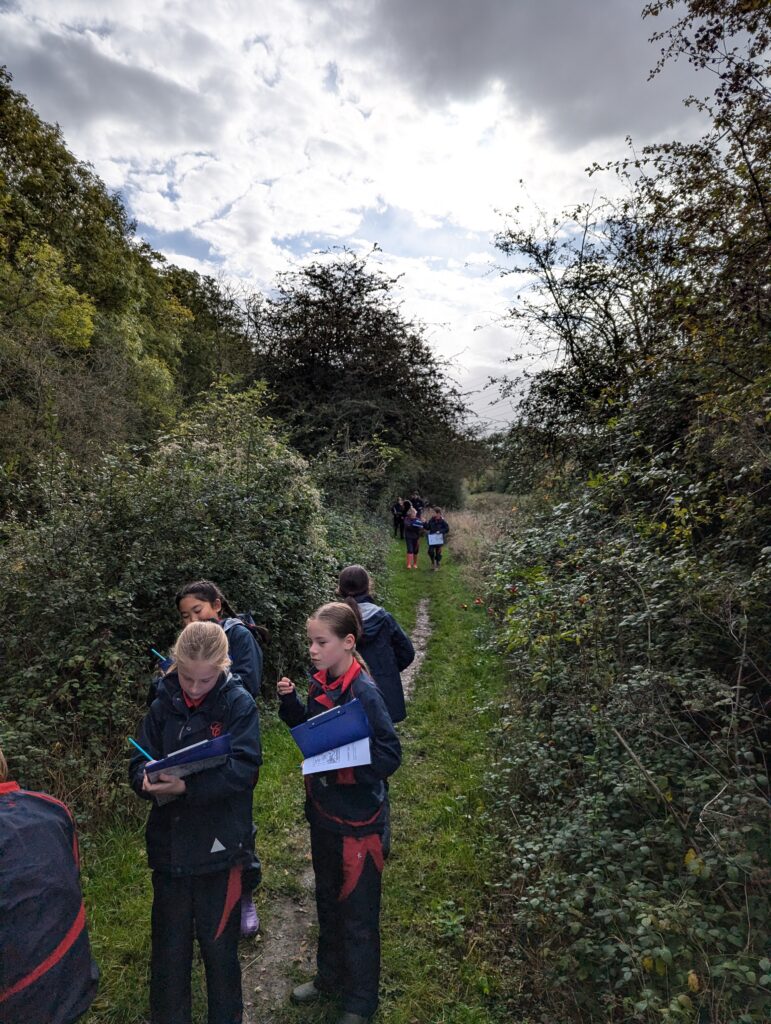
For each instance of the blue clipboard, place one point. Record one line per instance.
(218, 747)
(334, 728)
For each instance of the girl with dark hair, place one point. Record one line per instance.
(384, 644)
(437, 529)
(203, 601)
(348, 812)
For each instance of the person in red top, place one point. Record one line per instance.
(47, 974)
(348, 813)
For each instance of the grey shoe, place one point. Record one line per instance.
(306, 993)
(352, 1018)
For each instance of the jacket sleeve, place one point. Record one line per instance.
(245, 658)
(150, 738)
(401, 644)
(240, 770)
(385, 747)
(292, 710)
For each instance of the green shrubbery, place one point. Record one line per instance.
(87, 586)
(632, 787)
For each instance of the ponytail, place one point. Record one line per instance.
(3, 767)
(354, 581)
(202, 642)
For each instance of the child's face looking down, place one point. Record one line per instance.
(197, 678)
(328, 651)
(194, 609)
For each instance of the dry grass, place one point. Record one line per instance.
(474, 530)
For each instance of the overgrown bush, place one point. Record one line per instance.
(632, 782)
(87, 587)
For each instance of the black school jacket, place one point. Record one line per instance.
(351, 802)
(387, 650)
(47, 973)
(209, 828)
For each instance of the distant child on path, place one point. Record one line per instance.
(385, 646)
(397, 511)
(436, 526)
(413, 530)
(347, 811)
(199, 843)
(417, 503)
(47, 973)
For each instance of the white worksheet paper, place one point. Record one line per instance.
(350, 755)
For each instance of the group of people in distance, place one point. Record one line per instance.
(200, 833)
(410, 524)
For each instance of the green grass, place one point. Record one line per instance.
(435, 884)
(434, 966)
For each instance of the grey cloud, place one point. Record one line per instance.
(69, 81)
(582, 66)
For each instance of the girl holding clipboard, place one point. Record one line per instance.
(347, 810)
(437, 529)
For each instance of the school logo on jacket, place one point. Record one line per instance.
(215, 729)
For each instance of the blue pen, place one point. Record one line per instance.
(159, 656)
(143, 752)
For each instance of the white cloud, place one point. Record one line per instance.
(255, 130)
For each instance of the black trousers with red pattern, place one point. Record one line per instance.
(348, 874)
(184, 908)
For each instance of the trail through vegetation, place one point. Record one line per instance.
(435, 949)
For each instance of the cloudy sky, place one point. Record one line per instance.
(244, 135)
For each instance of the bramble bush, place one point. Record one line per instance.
(87, 585)
(631, 783)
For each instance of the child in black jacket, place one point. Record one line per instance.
(203, 601)
(413, 531)
(348, 811)
(199, 843)
(384, 644)
(436, 527)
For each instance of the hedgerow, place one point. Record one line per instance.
(631, 787)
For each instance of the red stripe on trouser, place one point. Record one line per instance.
(61, 950)
(232, 896)
(355, 852)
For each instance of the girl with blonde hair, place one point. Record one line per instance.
(200, 841)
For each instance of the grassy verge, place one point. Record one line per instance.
(434, 967)
(435, 885)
